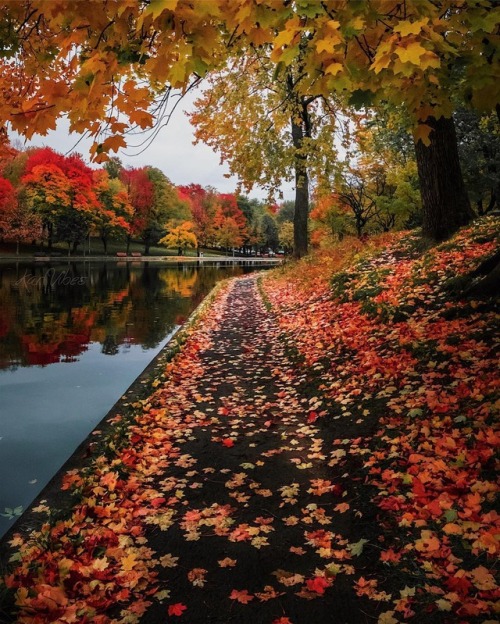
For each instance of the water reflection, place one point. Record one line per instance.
(108, 321)
(51, 315)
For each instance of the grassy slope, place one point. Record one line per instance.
(386, 335)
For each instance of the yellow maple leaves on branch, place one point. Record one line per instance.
(103, 65)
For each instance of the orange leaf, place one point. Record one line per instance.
(241, 596)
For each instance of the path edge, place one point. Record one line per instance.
(83, 455)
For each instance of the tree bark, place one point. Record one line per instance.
(300, 243)
(445, 204)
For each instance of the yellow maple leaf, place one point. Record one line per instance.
(482, 579)
(100, 564)
(334, 68)
(129, 562)
(406, 28)
(387, 618)
(421, 133)
(443, 605)
(156, 7)
(382, 61)
(168, 561)
(286, 37)
(328, 43)
(411, 53)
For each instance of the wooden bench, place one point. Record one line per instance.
(121, 254)
(136, 254)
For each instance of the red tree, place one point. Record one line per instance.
(61, 190)
(202, 204)
(8, 203)
(141, 196)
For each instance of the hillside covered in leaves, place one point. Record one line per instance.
(321, 442)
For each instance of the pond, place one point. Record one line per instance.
(73, 337)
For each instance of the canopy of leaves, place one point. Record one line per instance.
(104, 68)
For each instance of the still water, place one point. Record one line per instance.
(72, 339)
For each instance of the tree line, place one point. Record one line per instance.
(280, 79)
(48, 197)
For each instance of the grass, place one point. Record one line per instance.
(8, 249)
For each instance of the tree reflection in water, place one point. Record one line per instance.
(50, 315)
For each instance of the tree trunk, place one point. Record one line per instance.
(445, 204)
(300, 246)
(146, 248)
(128, 243)
(50, 233)
(105, 245)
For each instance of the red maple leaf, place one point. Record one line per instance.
(176, 609)
(318, 584)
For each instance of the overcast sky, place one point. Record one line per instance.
(172, 151)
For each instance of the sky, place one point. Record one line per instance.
(172, 151)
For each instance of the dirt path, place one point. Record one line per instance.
(254, 505)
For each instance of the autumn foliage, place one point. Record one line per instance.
(72, 201)
(368, 469)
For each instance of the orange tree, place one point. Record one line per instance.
(61, 191)
(113, 218)
(104, 68)
(202, 206)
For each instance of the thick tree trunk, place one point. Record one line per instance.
(445, 204)
(300, 243)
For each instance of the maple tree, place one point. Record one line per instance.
(180, 236)
(140, 193)
(8, 203)
(408, 53)
(116, 213)
(267, 130)
(201, 203)
(17, 223)
(230, 226)
(60, 189)
(285, 235)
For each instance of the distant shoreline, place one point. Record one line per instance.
(167, 259)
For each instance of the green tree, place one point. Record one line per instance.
(479, 150)
(269, 231)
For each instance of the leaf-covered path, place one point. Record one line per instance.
(224, 504)
(254, 499)
(329, 460)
